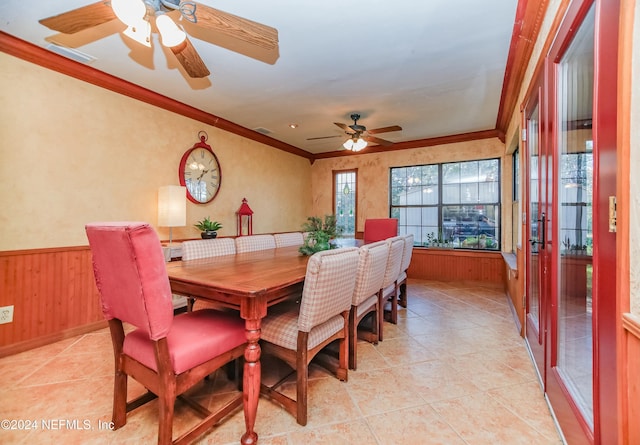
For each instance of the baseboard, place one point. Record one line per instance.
(52, 338)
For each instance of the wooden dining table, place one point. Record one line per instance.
(249, 282)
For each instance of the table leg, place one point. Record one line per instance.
(252, 313)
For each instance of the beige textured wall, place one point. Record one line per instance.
(71, 153)
(373, 173)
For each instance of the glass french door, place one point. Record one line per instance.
(536, 188)
(570, 124)
(572, 353)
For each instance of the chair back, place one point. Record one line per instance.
(288, 239)
(406, 253)
(131, 275)
(251, 243)
(394, 262)
(371, 267)
(380, 229)
(193, 250)
(328, 286)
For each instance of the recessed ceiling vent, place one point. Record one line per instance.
(71, 53)
(263, 130)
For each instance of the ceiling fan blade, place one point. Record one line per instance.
(385, 129)
(238, 27)
(324, 137)
(345, 127)
(190, 59)
(80, 19)
(378, 141)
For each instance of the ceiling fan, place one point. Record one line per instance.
(138, 16)
(359, 136)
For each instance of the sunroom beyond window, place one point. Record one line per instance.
(453, 205)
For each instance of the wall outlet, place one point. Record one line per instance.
(6, 314)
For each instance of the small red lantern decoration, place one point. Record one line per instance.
(245, 211)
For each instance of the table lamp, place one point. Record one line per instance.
(172, 207)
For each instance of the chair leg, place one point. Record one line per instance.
(119, 418)
(166, 402)
(380, 314)
(375, 329)
(119, 415)
(403, 295)
(302, 382)
(342, 372)
(353, 338)
(394, 306)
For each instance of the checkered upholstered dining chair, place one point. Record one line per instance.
(166, 354)
(297, 333)
(389, 291)
(406, 261)
(206, 248)
(371, 267)
(252, 243)
(288, 239)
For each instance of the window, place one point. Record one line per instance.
(516, 224)
(344, 200)
(455, 203)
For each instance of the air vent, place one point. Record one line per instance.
(71, 53)
(263, 130)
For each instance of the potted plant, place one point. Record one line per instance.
(320, 234)
(208, 228)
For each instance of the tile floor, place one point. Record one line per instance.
(452, 371)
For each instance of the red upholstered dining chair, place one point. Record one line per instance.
(406, 261)
(166, 354)
(371, 267)
(297, 333)
(389, 291)
(379, 229)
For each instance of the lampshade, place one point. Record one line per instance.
(356, 145)
(130, 12)
(140, 32)
(169, 31)
(172, 206)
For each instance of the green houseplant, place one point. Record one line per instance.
(208, 228)
(321, 232)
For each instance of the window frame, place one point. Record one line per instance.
(481, 208)
(334, 175)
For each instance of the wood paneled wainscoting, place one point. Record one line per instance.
(53, 293)
(457, 265)
(630, 370)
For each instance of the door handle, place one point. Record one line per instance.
(541, 229)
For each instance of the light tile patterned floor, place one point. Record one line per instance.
(452, 371)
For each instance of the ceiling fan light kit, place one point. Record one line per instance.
(141, 32)
(359, 136)
(129, 12)
(169, 31)
(132, 14)
(138, 15)
(355, 144)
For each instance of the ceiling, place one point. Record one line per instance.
(435, 67)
